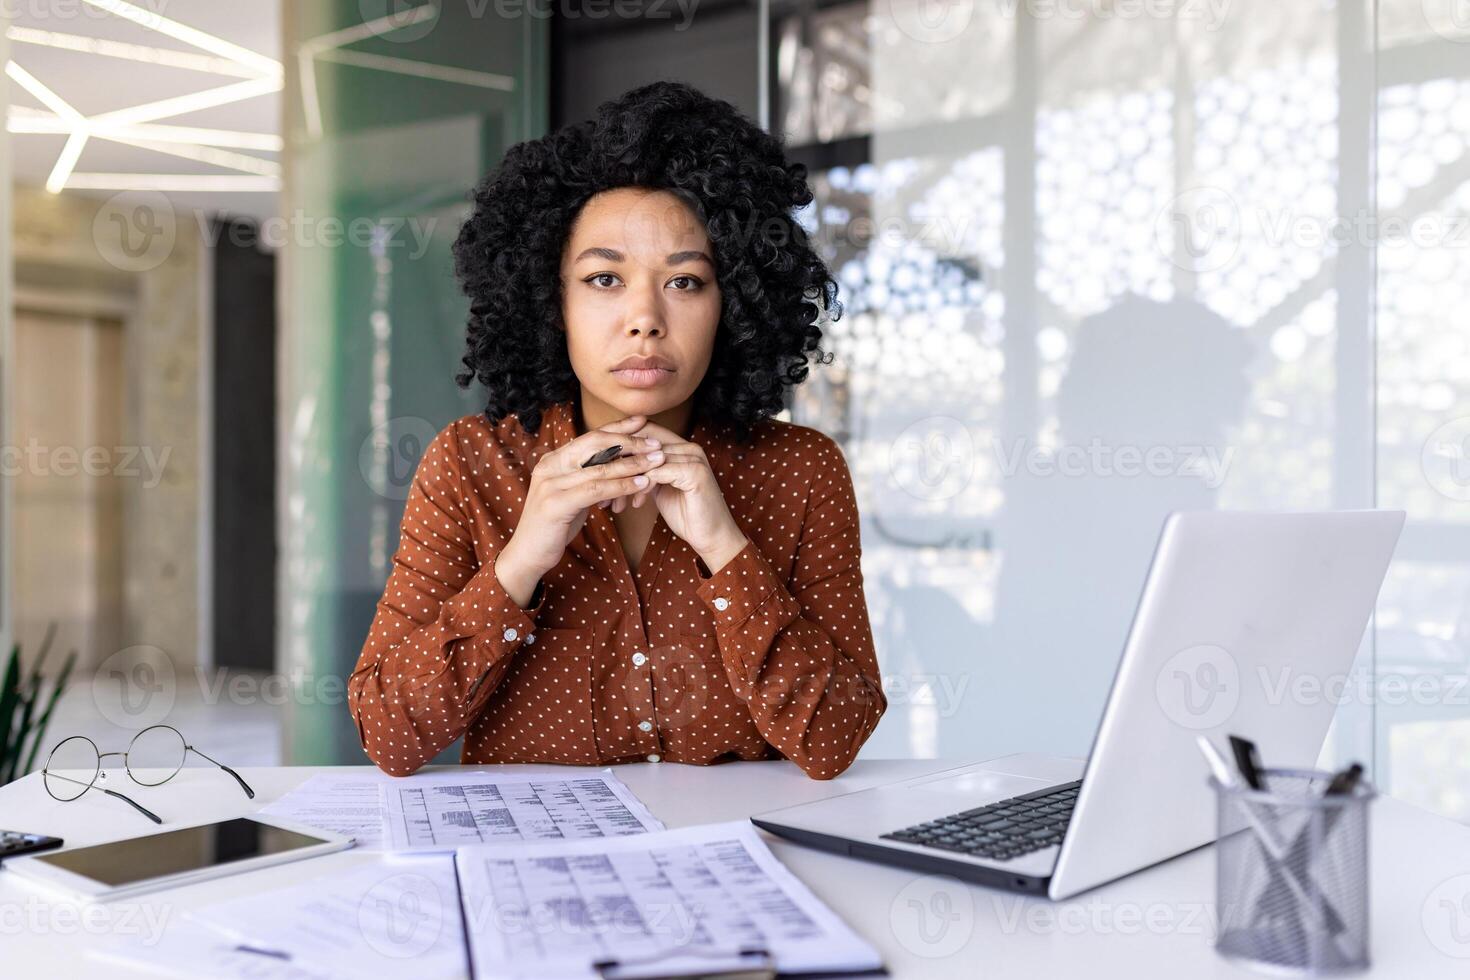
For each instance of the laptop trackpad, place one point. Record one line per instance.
(979, 786)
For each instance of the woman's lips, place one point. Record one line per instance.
(642, 377)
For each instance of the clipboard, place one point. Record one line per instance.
(762, 965)
(756, 963)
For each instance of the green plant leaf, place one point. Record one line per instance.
(9, 696)
(40, 728)
(22, 728)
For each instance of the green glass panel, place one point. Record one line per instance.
(389, 124)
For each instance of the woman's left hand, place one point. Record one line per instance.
(686, 493)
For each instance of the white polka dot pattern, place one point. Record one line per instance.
(769, 656)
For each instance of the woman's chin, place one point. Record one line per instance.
(641, 401)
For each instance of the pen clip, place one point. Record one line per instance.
(259, 951)
(1345, 782)
(1246, 760)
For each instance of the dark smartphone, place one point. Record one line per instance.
(13, 843)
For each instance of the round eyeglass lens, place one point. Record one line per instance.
(155, 755)
(71, 768)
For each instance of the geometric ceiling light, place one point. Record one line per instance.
(130, 125)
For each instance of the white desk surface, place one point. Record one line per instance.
(1156, 923)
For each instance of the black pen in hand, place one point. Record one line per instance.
(604, 456)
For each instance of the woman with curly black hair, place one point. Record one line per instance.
(641, 298)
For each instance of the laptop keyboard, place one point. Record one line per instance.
(1002, 830)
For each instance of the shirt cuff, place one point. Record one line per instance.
(745, 585)
(484, 607)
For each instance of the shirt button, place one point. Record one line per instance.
(530, 637)
(510, 633)
(645, 726)
(654, 757)
(722, 603)
(639, 660)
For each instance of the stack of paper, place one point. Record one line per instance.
(350, 805)
(525, 874)
(393, 916)
(677, 901)
(440, 811)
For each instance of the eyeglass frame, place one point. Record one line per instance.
(46, 771)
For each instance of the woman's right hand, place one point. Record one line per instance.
(563, 493)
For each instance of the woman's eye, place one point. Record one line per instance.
(693, 283)
(597, 279)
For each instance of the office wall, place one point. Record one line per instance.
(138, 414)
(711, 45)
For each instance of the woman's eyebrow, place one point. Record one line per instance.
(613, 255)
(598, 252)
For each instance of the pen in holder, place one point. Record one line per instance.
(1291, 873)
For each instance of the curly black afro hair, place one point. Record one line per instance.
(733, 175)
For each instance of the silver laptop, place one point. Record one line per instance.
(1236, 610)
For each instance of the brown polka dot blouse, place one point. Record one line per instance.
(770, 656)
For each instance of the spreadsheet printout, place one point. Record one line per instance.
(445, 811)
(664, 902)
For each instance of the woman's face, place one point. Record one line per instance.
(638, 281)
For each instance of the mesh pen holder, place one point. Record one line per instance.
(1291, 874)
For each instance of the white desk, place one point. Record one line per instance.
(1157, 923)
